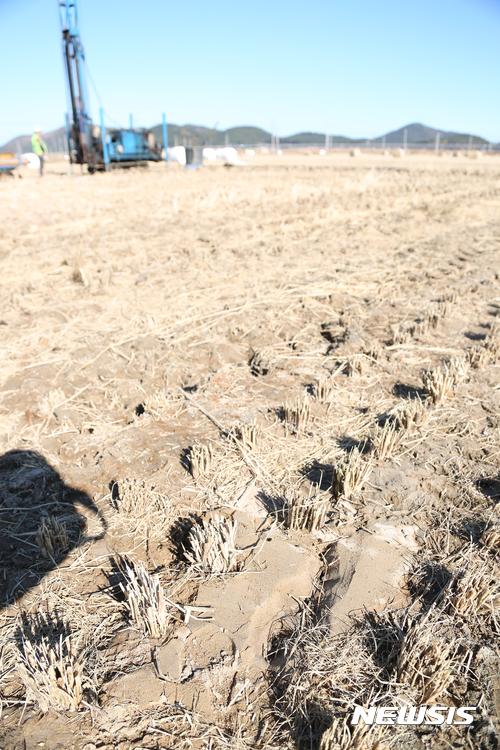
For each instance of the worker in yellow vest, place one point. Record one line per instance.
(39, 146)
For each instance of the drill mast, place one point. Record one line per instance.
(95, 145)
(80, 123)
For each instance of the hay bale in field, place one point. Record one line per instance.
(177, 153)
(32, 161)
(228, 153)
(475, 154)
(355, 152)
(209, 154)
(399, 153)
(456, 154)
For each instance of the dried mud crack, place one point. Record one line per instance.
(249, 470)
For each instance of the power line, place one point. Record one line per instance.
(94, 87)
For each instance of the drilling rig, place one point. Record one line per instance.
(99, 147)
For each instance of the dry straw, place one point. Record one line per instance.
(138, 498)
(79, 277)
(212, 546)
(402, 333)
(436, 313)
(458, 368)
(478, 356)
(307, 512)
(412, 413)
(429, 320)
(145, 599)
(473, 593)
(263, 362)
(343, 736)
(158, 403)
(140, 508)
(357, 364)
(51, 537)
(296, 416)
(487, 351)
(386, 440)
(248, 435)
(350, 476)
(492, 342)
(200, 459)
(323, 388)
(52, 673)
(437, 384)
(427, 661)
(323, 671)
(490, 538)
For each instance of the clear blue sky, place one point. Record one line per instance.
(359, 68)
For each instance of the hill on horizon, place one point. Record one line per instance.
(308, 137)
(196, 135)
(418, 133)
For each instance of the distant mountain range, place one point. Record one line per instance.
(196, 135)
(418, 133)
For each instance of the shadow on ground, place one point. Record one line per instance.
(32, 494)
(408, 391)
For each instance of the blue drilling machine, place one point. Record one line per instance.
(99, 147)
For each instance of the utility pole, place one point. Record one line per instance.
(436, 147)
(68, 141)
(470, 144)
(405, 139)
(104, 142)
(227, 139)
(165, 136)
(383, 142)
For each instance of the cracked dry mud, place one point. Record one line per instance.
(283, 315)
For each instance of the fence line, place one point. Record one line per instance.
(484, 147)
(378, 146)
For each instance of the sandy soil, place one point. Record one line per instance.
(302, 357)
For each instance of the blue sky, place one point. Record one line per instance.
(358, 69)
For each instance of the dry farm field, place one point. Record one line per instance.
(249, 454)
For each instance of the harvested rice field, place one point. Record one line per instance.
(249, 455)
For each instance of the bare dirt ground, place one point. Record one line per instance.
(249, 436)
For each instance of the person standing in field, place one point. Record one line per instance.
(39, 146)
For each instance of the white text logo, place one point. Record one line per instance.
(432, 715)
